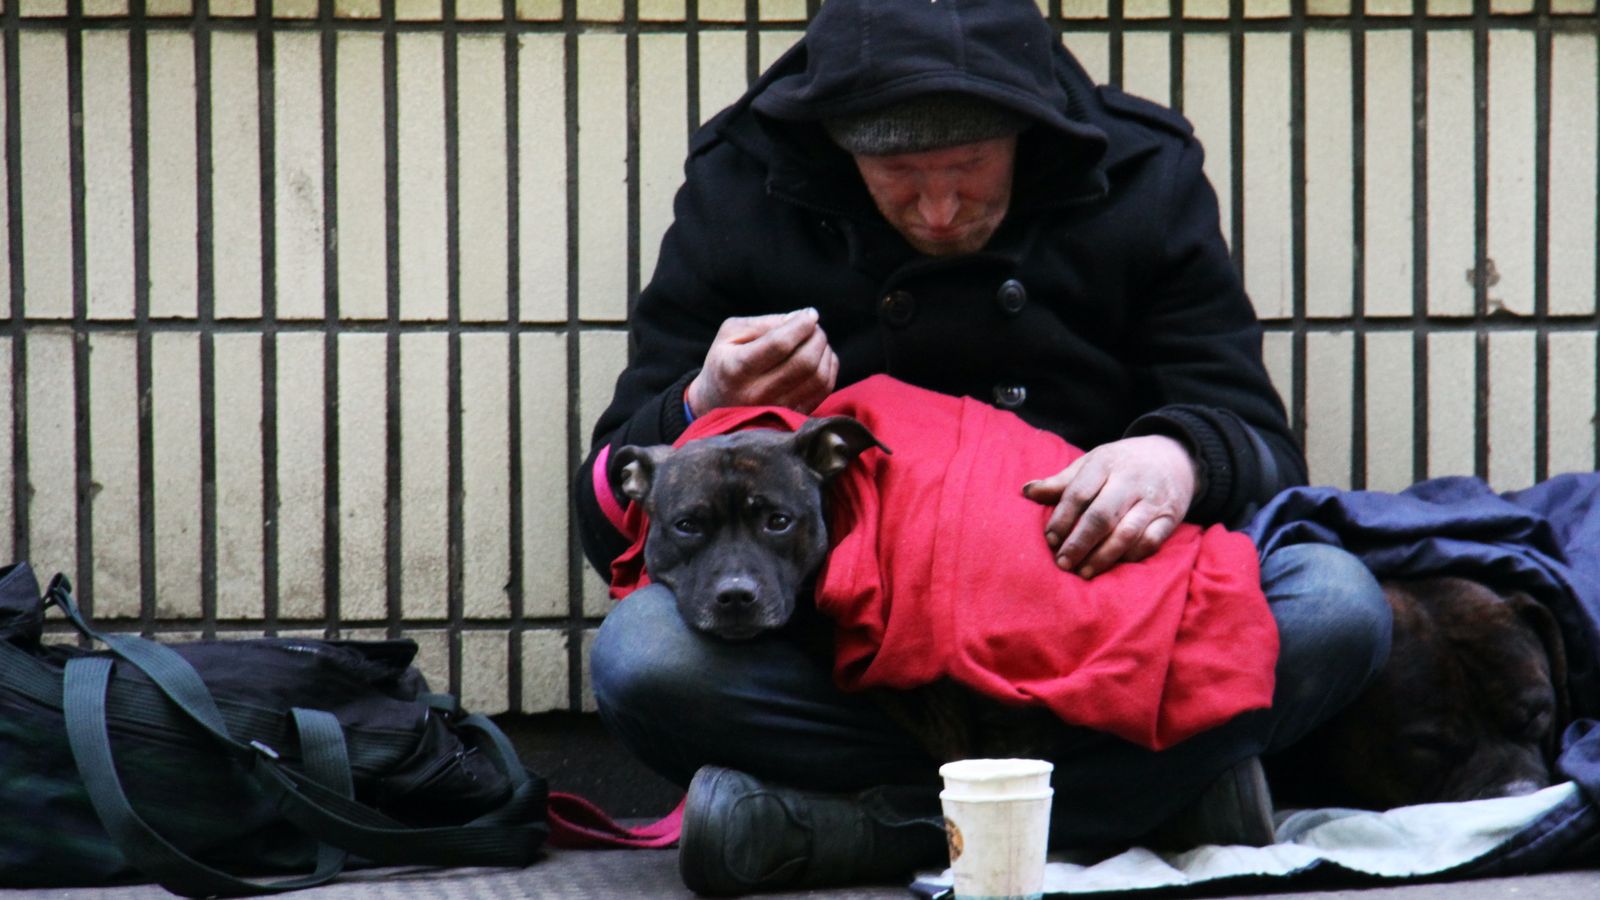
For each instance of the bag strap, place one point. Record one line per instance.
(85, 687)
(577, 824)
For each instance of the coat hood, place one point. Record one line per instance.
(861, 55)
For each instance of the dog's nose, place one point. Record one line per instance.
(736, 596)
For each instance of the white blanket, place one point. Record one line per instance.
(1403, 843)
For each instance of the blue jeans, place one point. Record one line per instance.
(680, 699)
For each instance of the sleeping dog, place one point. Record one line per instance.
(1469, 706)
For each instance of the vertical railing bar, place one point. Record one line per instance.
(576, 564)
(1357, 35)
(1419, 244)
(456, 478)
(78, 223)
(516, 522)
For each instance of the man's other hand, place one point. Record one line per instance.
(1117, 503)
(774, 360)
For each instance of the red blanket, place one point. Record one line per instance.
(939, 568)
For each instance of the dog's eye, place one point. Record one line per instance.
(779, 523)
(687, 526)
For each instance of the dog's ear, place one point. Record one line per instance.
(632, 469)
(1543, 622)
(829, 445)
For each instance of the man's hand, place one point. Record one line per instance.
(1118, 502)
(775, 360)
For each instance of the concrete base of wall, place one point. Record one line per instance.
(574, 752)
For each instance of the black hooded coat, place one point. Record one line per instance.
(1105, 306)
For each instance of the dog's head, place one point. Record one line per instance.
(1469, 706)
(736, 520)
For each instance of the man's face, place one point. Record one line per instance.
(944, 202)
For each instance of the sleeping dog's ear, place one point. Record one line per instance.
(831, 444)
(632, 469)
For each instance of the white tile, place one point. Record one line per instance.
(1388, 216)
(171, 156)
(1572, 7)
(107, 176)
(485, 672)
(231, 8)
(663, 139)
(1084, 9)
(1573, 150)
(662, 10)
(1512, 403)
(542, 177)
(418, 10)
(1390, 411)
(1452, 404)
(241, 517)
(433, 657)
(586, 702)
(362, 225)
(1329, 176)
(114, 472)
(1273, 9)
(110, 8)
(1328, 7)
(1277, 351)
(46, 177)
(722, 67)
(1093, 50)
(482, 186)
(168, 8)
(363, 477)
(600, 10)
(782, 10)
(485, 475)
(235, 175)
(1511, 169)
(1570, 399)
(1205, 9)
(175, 449)
(424, 471)
(1207, 87)
(1511, 7)
(1450, 7)
(1147, 65)
(424, 289)
(297, 165)
(1389, 7)
(1451, 191)
(773, 45)
(546, 471)
(1268, 219)
(294, 9)
(602, 357)
(722, 10)
(478, 10)
(1146, 9)
(301, 467)
(602, 178)
(1330, 375)
(544, 671)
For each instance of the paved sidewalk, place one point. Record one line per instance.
(652, 874)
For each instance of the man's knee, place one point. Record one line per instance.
(644, 657)
(1331, 612)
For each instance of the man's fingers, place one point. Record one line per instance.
(1140, 533)
(772, 349)
(1084, 487)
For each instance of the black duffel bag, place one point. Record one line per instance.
(204, 766)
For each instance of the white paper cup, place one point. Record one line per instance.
(997, 817)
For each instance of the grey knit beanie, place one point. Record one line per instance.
(927, 122)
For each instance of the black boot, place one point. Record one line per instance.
(1235, 809)
(742, 836)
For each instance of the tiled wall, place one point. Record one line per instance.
(311, 303)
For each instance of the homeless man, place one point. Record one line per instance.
(937, 191)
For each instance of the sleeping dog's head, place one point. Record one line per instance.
(1469, 706)
(736, 520)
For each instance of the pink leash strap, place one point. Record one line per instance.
(577, 824)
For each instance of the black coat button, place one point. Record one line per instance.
(1010, 396)
(898, 308)
(1012, 296)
